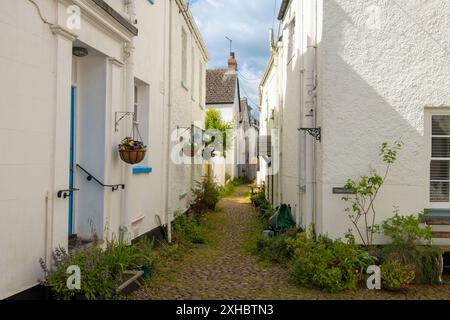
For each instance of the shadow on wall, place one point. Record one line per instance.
(371, 91)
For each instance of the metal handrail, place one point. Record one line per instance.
(91, 177)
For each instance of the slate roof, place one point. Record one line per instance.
(221, 86)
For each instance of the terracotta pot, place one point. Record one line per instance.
(132, 157)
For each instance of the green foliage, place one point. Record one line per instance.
(259, 199)
(227, 177)
(329, 265)
(406, 229)
(213, 121)
(396, 276)
(407, 237)
(426, 260)
(240, 181)
(188, 230)
(206, 196)
(227, 190)
(361, 205)
(274, 249)
(100, 269)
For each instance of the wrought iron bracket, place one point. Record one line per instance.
(120, 116)
(66, 193)
(314, 132)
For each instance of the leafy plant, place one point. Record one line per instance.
(206, 196)
(188, 230)
(213, 121)
(227, 190)
(407, 236)
(259, 199)
(361, 209)
(129, 144)
(100, 269)
(330, 265)
(406, 229)
(396, 276)
(274, 249)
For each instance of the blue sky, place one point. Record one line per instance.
(247, 22)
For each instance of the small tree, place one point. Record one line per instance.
(365, 191)
(214, 121)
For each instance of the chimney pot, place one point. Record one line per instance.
(232, 63)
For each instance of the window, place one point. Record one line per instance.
(440, 159)
(184, 56)
(291, 43)
(192, 72)
(142, 118)
(200, 84)
(136, 103)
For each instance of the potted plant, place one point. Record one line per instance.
(190, 150)
(132, 151)
(105, 274)
(395, 276)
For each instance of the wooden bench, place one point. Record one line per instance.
(254, 189)
(439, 217)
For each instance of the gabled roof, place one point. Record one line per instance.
(221, 86)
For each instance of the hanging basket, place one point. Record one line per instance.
(132, 156)
(132, 149)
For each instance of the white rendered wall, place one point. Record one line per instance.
(375, 82)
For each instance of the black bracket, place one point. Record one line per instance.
(66, 193)
(119, 116)
(314, 132)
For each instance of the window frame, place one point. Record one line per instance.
(430, 112)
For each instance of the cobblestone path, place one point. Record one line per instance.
(222, 269)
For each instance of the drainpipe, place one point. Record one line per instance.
(309, 109)
(169, 133)
(129, 51)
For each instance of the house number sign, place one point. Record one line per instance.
(342, 191)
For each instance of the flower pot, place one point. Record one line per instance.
(132, 156)
(189, 152)
(148, 271)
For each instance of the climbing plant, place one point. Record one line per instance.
(361, 204)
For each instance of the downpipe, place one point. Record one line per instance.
(129, 50)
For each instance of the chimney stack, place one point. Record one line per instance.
(232, 63)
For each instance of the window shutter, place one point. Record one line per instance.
(440, 159)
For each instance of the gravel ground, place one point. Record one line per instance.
(223, 270)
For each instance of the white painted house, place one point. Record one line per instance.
(223, 93)
(359, 73)
(74, 79)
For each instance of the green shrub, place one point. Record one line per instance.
(406, 229)
(259, 199)
(187, 230)
(227, 190)
(426, 260)
(240, 181)
(329, 265)
(274, 249)
(407, 236)
(396, 276)
(206, 196)
(100, 269)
